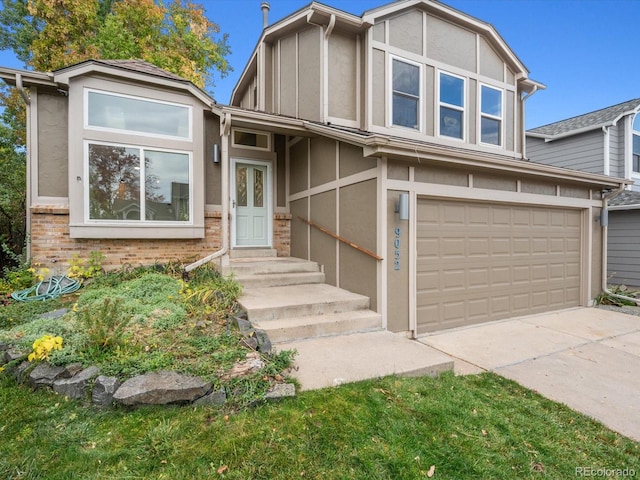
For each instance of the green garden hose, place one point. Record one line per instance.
(47, 289)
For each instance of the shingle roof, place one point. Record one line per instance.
(141, 66)
(627, 197)
(588, 120)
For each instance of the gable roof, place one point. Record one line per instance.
(584, 123)
(134, 65)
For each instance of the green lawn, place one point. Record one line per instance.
(482, 427)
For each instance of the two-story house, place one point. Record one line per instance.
(605, 141)
(400, 131)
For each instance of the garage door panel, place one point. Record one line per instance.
(481, 262)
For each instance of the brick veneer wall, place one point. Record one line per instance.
(51, 246)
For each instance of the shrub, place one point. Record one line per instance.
(104, 326)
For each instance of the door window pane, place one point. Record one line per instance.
(241, 186)
(258, 188)
(114, 183)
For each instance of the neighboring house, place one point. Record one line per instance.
(606, 142)
(400, 130)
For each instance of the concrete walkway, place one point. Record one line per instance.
(586, 358)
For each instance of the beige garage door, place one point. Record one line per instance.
(483, 261)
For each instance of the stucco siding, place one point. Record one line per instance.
(323, 246)
(581, 152)
(378, 86)
(299, 167)
(309, 74)
(450, 44)
(405, 32)
(491, 65)
(299, 229)
(343, 87)
(358, 223)
(352, 161)
(53, 146)
(288, 92)
(213, 171)
(623, 263)
(323, 161)
(397, 266)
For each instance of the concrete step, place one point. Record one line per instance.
(252, 252)
(298, 328)
(279, 279)
(272, 303)
(257, 266)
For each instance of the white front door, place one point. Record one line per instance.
(251, 204)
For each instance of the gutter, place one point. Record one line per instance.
(522, 120)
(604, 221)
(225, 129)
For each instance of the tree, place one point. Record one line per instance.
(49, 34)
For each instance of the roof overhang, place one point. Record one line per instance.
(29, 78)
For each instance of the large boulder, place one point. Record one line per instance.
(160, 388)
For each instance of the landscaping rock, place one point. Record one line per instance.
(45, 374)
(251, 342)
(252, 364)
(103, 390)
(281, 390)
(19, 372)
(73, 369)
(216, 398)
(76, 387)
(264, 344)
(243, 324)
(160, 388)
(10, 355)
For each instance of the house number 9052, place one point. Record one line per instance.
(396, 249)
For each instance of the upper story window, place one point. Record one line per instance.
(138, 184)
(405, 93)
(111, 111)
(490, 115)
(451, 106)
(635, 165)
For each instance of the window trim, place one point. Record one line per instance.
(142, 222)
(249, 147)
(634, 133)
(462, 109)
(391, 91)
(138, 133)
(481, 114)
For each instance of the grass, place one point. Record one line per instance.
(474, 427)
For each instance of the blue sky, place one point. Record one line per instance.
(584, 51)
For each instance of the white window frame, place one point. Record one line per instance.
(249, 147)
(462, 109)
(481, 114)
(142, 221)
(634, 174)
(390, 93)
(87, 126)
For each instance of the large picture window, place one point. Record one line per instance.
(405, 86)
(132, 114)
(452, 100)
(490, 115)
(136, 184)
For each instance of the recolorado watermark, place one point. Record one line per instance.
(605, 472)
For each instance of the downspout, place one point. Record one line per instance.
(522, 120)
(225, 128)
(604, 221)
(607, 147)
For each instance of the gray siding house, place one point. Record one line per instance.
(606, 142)
(400, 130)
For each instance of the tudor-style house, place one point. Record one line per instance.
(399, 131)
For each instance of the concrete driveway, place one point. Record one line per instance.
(586, 358)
